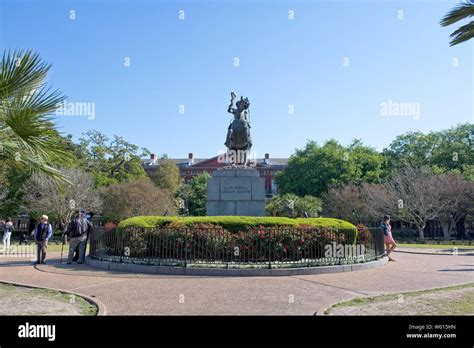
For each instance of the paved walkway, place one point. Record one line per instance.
(131, 294)
(446, 251)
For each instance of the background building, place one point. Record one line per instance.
(191, 166)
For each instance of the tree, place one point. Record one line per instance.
(135, 197)
(308, 206)
(313, 169)
(194, 195)
(347, 202)
(460, 12)
(408, 195)
(59, 200)
(3, 191)
(413, 148)
(454, 151)
(291, 205)
(458, 194)
(28, 136)
(450, 150)
(12, 181)
(167, 176)
(109, 161)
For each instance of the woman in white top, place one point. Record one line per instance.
(7, 233)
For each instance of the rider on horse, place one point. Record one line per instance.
(238, 134)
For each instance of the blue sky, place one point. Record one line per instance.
(285, 64)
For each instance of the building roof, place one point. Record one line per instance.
(199, 162)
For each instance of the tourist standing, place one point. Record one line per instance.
(7, 233)
(390, 243)
(77, 230)
(24, 239)
(42, 233)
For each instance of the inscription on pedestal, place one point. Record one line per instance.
(235, 189)
(236, 192)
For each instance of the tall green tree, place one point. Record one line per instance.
(449, 150)
(465, 32)
(314, 168)
(110, 161)
(167, 175)
(194, 195)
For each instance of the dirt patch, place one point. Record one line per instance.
(439, 302)
(19, 300)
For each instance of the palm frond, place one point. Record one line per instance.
(464, 33)
(27, 132)
(458, 13)
(21, 72)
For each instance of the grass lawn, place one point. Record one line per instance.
(22, 300)
(58, 246)
(436, 246)
(452, 300)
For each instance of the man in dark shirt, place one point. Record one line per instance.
(42, 233)
(77, 230)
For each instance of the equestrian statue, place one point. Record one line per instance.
(238, 139)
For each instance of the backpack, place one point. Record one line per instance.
(77, 228)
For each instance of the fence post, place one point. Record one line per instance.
(186, 248)
(270, 250)
(120, 246)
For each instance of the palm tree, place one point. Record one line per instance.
(28, 136)
(465, 32)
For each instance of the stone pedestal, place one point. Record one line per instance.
(236, 191)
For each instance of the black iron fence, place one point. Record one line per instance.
(216, 247)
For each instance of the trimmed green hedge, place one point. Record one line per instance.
(234, 223)
(216, 238)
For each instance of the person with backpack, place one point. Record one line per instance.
(77, 230)
(7, 233)
(88, 216)
(390, 243)
(42, 233)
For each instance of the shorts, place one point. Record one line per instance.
(389, 238)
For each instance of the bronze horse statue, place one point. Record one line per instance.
(238, 134)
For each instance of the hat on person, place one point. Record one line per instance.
(44, 217)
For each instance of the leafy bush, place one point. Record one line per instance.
(235, 223)
(110, 226)
(364, 236)
(291, 205)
